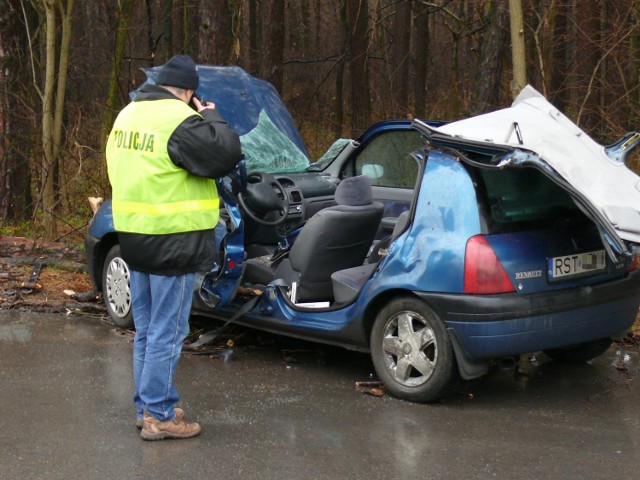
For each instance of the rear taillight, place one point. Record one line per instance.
(635, 263)
(483, 272)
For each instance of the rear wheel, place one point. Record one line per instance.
(116, 288)
(412, 352)
(580, 353)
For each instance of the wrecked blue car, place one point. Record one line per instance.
(437, 247)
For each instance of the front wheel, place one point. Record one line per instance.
(116, 288)
(412, 352)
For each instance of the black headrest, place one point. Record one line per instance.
(354, 191)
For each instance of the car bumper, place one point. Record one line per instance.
(493, 326)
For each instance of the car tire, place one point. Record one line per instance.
(412, 352)
(116, 288)
(580, 353)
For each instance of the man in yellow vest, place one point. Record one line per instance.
(162, 157)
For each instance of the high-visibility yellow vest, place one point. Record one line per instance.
(152, 195)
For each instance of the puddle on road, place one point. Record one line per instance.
(15, 333)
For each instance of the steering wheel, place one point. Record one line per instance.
(262, 196)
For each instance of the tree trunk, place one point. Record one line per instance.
(47, 191)
(53, 109)
(587, 55)
(339, 102)
(273, 42)
(559, 68)
(357, 25)
(215, 32)
(486, 91)
(61, 88)
(15, 134)
(633, 69)
(571, 62)
(422, 54)
(517, 47)
(254, 35)
(235, 30)
(401, 51)
(150, 21)
(167, 28)
(112, 102)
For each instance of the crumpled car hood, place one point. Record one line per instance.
(532, 123)
(254, 110)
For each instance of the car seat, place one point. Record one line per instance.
(333, 239)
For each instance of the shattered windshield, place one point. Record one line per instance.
(267, 149)
(329, 155)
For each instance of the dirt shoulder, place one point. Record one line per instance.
(45, 276)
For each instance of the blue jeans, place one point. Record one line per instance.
(161, 306)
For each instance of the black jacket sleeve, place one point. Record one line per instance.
(205, 146)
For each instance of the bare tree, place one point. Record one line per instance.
(53, 102)
(517, 47)
(273, 42)
(15, 131)
(422, 54)
(339, 86)
(113, 101)
(254, 35)
(358, 41)
(486, 88)
(401, 56)
(215, 37)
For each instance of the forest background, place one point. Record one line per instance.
(66, 69)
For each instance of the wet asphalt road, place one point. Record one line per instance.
(65, 384)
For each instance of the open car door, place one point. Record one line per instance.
(533, 132)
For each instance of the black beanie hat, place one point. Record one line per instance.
(179, 71)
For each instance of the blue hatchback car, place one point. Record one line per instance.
(437, 247)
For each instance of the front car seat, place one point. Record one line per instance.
(333, 239)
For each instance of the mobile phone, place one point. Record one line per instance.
(193, 105)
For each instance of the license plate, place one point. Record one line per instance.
(575, 265)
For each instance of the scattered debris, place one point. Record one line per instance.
(124, 332)
(94, 203)
(373, 388)
(226, 354)
(203, 340)
(51, 271)
(33, 278)
(631, 339)
(249, 292)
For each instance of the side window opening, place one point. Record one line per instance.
(386, 159)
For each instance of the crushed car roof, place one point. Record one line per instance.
(532, 123)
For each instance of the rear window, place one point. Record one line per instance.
(517, 199)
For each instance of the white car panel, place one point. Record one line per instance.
(532, 123)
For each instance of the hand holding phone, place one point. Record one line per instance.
(201, 104)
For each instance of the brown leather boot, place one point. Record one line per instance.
(179, 413)
(154, 429)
